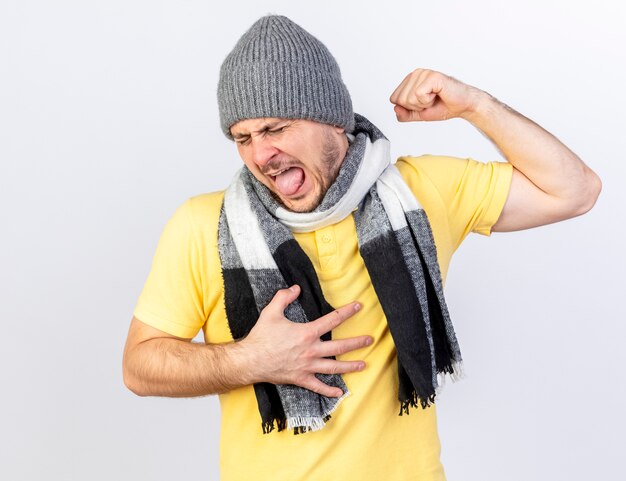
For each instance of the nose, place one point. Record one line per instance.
(262, 151)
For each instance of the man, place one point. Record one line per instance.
(317, 276)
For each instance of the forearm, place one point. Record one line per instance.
(532, 150)
(276, 350)
(176, 368)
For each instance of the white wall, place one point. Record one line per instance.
(108, 122)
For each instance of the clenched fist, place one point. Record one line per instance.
(430, 95)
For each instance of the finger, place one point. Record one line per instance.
(427, 87)
(333, 319)
(330, 366)
(419, 94)
(400, 88)
(423, 96)
(405, 115)
(314, 384)
(337, 347)
(405, 96)
(283, 298)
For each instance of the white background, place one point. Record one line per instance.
(108, 122)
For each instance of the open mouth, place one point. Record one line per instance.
(288, 181)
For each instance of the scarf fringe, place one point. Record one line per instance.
(303, 424)
(456, 373)
(298, 424)
(413, 402)
(268, 426)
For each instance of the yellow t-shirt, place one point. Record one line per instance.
(366, 439)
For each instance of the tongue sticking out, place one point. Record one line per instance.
(290, 181)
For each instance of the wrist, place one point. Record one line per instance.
(479, 105)
(241, 363)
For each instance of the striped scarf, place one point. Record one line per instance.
(259, 256)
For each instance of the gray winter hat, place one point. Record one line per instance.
(278, 69)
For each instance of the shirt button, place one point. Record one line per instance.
(326, 238)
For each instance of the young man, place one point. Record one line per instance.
(317, 276)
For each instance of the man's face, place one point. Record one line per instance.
(297, 160)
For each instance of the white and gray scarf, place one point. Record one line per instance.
(259, 256)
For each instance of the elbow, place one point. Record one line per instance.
(131, 381)
(592, 192)
(132, 385)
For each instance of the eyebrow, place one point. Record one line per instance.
(266, 126)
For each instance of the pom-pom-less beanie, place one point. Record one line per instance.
(278, 69)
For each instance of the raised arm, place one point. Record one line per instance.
(276, 350)
(550, 182)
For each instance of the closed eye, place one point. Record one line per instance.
(241, 139)
(276, 131)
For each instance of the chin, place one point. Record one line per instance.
(301, 205)
(301, 209)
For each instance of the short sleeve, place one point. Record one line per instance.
(171, 299)
(473, 192)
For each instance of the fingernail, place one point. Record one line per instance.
(293, 288)
(369, 340)
(361, 366)
(357, 306)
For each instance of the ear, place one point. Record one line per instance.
(339, 130)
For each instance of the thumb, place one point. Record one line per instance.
(405, 115)
(283, 298)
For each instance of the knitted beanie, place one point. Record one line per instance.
(278, 69)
